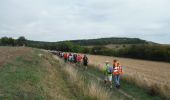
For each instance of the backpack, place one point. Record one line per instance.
(85, 59)
(109, 70)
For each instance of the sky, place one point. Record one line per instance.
(57, 20)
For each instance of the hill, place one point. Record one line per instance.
(119, 47)
(34, 74)
(85, 42)
(31, 74)
(112, 40)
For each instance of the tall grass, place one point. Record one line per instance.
(153, 89)
(90, 90)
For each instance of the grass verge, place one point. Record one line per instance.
(129, 86)
(87, 89)
(34, 75)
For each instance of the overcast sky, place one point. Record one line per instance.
(56, 20)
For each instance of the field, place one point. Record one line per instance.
(34, 74)
(148, 74)
(114, 46)
(31, 74)
(7, 53)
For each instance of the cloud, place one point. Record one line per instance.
(55, 20)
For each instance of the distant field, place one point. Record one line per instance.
(146, 73)
(114, 46)
(8, 53)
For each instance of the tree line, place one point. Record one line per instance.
(112, 40)
(8, 41)
(143, 51)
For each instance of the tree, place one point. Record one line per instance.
(7, 41)
(11, 41)
(4, 40)
(21, 41)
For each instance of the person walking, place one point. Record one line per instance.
(117, 72)
(65, 57)
(75, 58)
(79, 59)
(108, 70)
(85, 61)
(114, 63)
(69, 57)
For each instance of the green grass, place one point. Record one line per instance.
(31, 77)
(20, 78)
(131, 89)
(96, 73)
(137, 92)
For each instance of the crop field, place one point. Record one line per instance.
(149, 74)
(29, 73)
(8, 53)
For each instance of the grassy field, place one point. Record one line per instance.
(154, 76)
(128, 91)
(33, 74)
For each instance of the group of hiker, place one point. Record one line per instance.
(110, 71)
(78, 59)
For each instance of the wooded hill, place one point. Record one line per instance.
(128, 47)
(112, 40)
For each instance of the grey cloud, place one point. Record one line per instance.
(55, 20)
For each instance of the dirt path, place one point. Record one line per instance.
(120, 90)
(100, 80)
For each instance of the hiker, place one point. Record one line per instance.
(62, 54)
(85, 61)
(75, 58)
(65, 57)
(70, 57)
(117, 72)
(79, 58)
(114, 63)
(108, 70)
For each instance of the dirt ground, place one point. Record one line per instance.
(147, 72)
(8, 53)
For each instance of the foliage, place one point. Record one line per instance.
(21, 41)
(149, 52)
(105, 41)
(8, 41)
(140, 48)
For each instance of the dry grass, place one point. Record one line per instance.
(8, 53)
(26, 75)
(54, 85)
(152, 75)
(95, 90)
(91, 91)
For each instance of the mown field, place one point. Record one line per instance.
(152, 75)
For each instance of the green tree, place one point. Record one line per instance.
(21, 41)
(4, 41)
(7, 41)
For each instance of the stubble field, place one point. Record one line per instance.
(149, 74)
